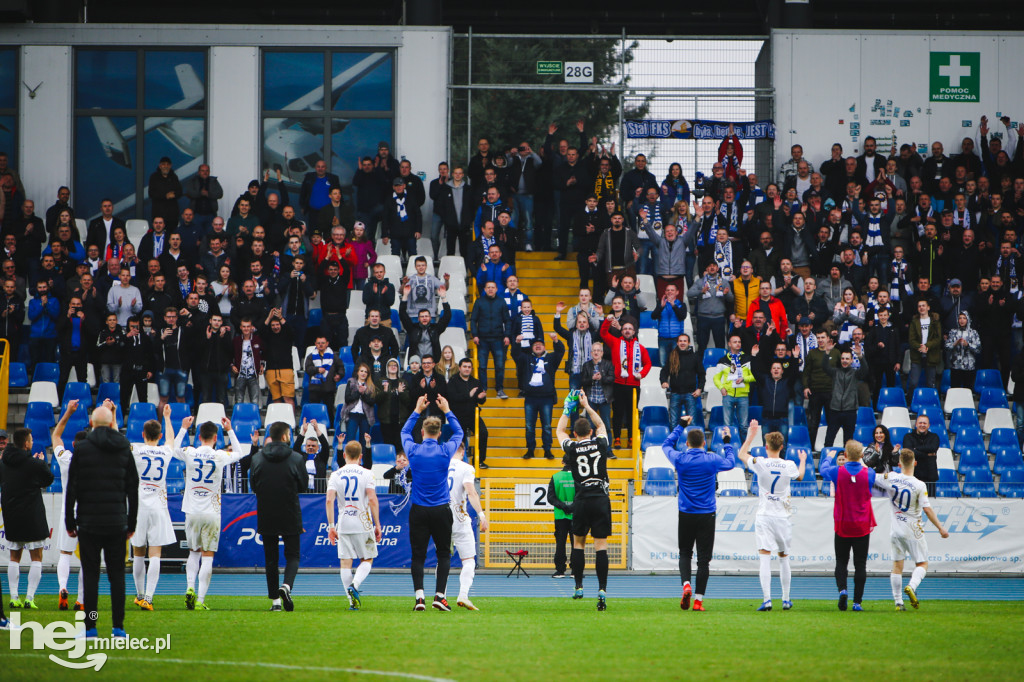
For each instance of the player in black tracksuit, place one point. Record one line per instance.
(587, 456)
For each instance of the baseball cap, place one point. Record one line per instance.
(955, 282)
(359, 223)
(397, 181)
(803, 320)
(254, 183)
(505, 210)
(3, 433)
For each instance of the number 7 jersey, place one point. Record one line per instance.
(588, 462)
(204, 473)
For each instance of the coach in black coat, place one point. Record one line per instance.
(277, 476)
(23, 478)
(101, 509)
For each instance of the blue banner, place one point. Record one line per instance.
(693, 129)
(242, 547)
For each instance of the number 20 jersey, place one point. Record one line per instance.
(588, 462)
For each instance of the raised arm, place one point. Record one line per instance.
(600, 429)
(236, 448)
(58, 431)
(744, 453)
(180, 438)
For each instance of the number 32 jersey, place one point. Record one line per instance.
(588, 462)
(204, 474)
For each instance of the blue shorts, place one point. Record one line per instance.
(175, 377)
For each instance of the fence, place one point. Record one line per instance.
(510, 88)
(520, 518)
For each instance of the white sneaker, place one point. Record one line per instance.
(529, 247)
(466, 604)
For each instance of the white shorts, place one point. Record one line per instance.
(773, 533)
(19, 546)
(154, 528)
(357, 545)
(463, 540)
(202, 531)
(63, 541)
(906, 544)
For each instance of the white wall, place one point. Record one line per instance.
(233, 128)
(819, 75)
(44, 124)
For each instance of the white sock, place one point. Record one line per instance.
(698, 597)
(419, 594)
(81, 585)
(346, 581)
(276, 602)
(917, 576)
(466, 577)
(361, 573)
(205, 574)
(785, 575)
(35, 573)
(152, 577)
(14, 578)
(63, 570)
(766, 576)
(139, 574)
(896, 582)
(192, 568)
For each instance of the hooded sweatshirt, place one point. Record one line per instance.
(963, 357)
(278, 475)
(22, 479)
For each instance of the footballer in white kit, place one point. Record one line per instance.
(908, 499)
(66, 544)
(462, 492)
(772, 526)
(352, 486)
(154, 527)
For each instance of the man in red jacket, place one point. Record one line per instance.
(631, 364)
(772, 309)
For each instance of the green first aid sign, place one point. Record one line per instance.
(955, 77)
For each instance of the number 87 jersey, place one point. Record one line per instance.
(588, 462)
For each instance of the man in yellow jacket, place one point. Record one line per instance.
(745, 290)
(733, 378)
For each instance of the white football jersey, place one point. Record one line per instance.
(908, 497)
(350, 483)
(153, 463)
(63, 456)
(460, 473)
(204, 473)
(773, 477)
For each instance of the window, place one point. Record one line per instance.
(9, 88)
(345, 96)
(133, 107)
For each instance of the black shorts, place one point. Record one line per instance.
(592, 515)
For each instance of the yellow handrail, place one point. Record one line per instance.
(637, 459)
(5, 379)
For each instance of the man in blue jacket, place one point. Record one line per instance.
(697, 471)
(430, 516)
(490, 325)
(43, 311)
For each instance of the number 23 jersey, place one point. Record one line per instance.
(588, 462)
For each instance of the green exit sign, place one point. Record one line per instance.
(549, 68)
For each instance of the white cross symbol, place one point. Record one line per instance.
(954, 71)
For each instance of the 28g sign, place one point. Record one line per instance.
(579, 72)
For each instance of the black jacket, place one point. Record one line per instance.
(490, 319)
(277, 475)
(103, 485)
(414, 332)
(23, 478)
(97, 233)
(464, 405)
(393, 226)
(524, 370)
(691, 366)
(379, 295)
(607, 380)
(925, 448)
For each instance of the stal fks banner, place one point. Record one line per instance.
(984, 535)
(693, 129)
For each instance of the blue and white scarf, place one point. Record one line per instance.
(962, 220)
(581, 344)
(898, 270)
(403, 480)
(806, 344)
(723, 257)
(527, 330)
(874, 230)
(924, 219)
(539, 370)
(631, 366)
(326, 361)
(403, 215)
(730, 213)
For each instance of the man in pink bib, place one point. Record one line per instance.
(854, 518)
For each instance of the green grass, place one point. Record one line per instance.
(556, 639)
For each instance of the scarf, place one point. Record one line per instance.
(807, 344)
(158, 245)
(874, 231)
(898, 268)
(76, 333)
(326, 360)
(581, 343)
(403, 215)
(924, 219)
(185, 288)
(403, 480)
(723, 257)
(730, 212)
(633, 363)
(963, 220)
(527, 329)
(604, 186)
(488, 242)
(539, 370)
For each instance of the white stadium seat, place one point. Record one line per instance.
(453, 337)
(652, 396)
(454, 266)
(944, 459)
(43, 392)
(280, 412)
(392, 268)
(958, 397)
(997, 418)
(210, 412)
(733, 479)
(648, 296)
(713, 396)
(654, 456)
(896, 416)
(136, 230)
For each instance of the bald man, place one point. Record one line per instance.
(101, 508)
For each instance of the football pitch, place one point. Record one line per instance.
(519, 638)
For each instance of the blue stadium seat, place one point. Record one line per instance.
(178, 413)
(458, 321)
(964, 418)
(699, 421)
(798, 436)
(716, 437)
(924, 397)
(968, 438)
(110, 390)
(647, 321)
(864, 434)
(793, 455)
(660, 481)
(653, 355)
(828, 454)
(891, 397)
(383, 453)
(716, 418)
(754, 412)
(978, 483)
(988, 378)
(712, 356)
(396, 321)
(317, 411)
(934, 414)
(1006, 462)
(39, 414)
(805, 488)
(245, 419)
(758, 451)
(972, 458)
(948, 484)
(654, 414)
(17, 375)
(316, 318)
(896, 434)
(799, 415)
(654, 434)
(142, 412)
(753, 486)
(866, 417)
(345, 354)
(992, 397)
(46, 371)
(77, 390)
(1011, 483)
(1003, 439)
(945, 381)
(940, 431)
